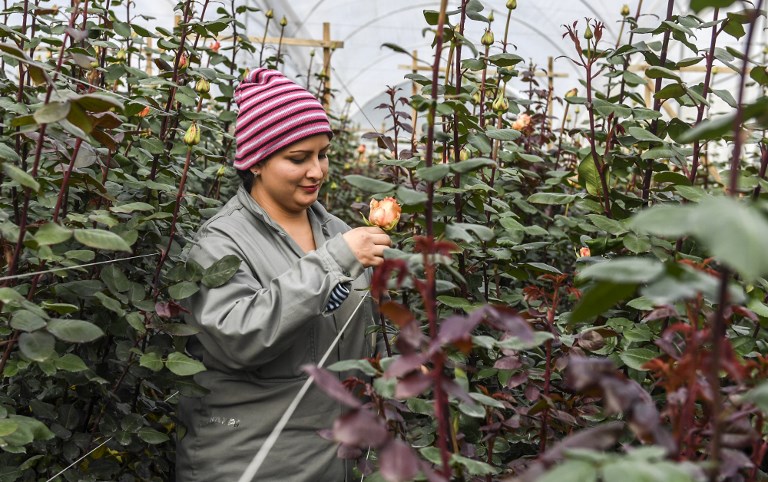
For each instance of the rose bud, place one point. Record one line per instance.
(215, 46)
(584, 252)
(588, 32)
(625, 10)
(202, 86)
(500, 104)
(572, 92)
(511, 4)
(385, 213)
(269, 13)
(144, 112)
(487, 38)
(183, 61)
(121, 55)
(283, 21)
(192, 137)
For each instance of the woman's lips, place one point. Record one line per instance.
(311, 189)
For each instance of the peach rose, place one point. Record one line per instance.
(584, 252)
(385, 213)
(522, 121)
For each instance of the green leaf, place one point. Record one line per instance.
(708, 129)
(131, 207)
(657, 72)
(7, 427)
(643, 135)
(409, 197)
(551, 198)
(589, 177)
(152, 361)
(9, 154)
(503, 134)
(734, 233)
(759, 396)
(183, 290)
(70, 363)
(52, 112)
(665, 221)
(369, 185)
(346, 365)
(572, 471)
(152, 436)
(52, 233)
(699, 5)
(598, 298)
(74, 331)
(21, 177)
(461, 231)
(101, 239)
(670, 91)
(37, 346)
(637, 357)
(434, 173)
(624, 270)
(221, 271)
(10, 295)
(182, 365)
(464, 167)
(98, 102)
(474, 467)
(25, 320)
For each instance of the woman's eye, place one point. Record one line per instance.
(297, 160)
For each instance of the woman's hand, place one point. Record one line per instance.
(368, 244)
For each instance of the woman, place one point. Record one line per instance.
(301, 277)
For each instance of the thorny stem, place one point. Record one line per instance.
(761, 174)
(441, 399)
(263, 40)
(548, 369)
(710, 58)
(718, 323)
(65, 180)
(657, 103)
(172, 91)
(457, 146)
(599, 165)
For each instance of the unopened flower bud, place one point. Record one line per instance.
(487, 38)
(463, 155)
(500, 103)
(202, 86)
(624, 10)
(269, 13)
(283, 21)
(476, 97)
(350, 100)
(584, 252)
(144, 112)
(385, 213)
(571, 92)
(522, 121)
(121, 55)
(183, 61)
(192, 137)
(246, 72)
(588, 32)
(511, 4)
(222, 170)
(312, 53)
(215, 46)
(490, 17)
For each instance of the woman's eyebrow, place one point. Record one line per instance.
(308, 151)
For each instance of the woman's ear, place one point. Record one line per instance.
(256, 171)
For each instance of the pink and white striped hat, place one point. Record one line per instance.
(274, 113)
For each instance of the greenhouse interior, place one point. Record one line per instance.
(386, 241)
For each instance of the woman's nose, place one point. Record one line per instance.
(315, 170)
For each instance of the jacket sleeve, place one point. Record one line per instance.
(244, 323)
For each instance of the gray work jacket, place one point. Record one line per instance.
(256, 331)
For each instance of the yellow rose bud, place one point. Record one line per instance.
(572, 92)
(222, 170)
(192, 137)
(490, 17)
(511, 4)
(283, 21)
(463, 155)
(385, 213)
(269, 13)
(624, 10)
(202, 86)
(500, 103)
(121, 55)
(487, 38)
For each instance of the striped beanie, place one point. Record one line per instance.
(274, 113)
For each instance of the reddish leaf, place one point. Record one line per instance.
(360, 428)
(412, 385)
(330, 384)
(508, 363)
(397, 313)
(405, 364)
(348, 452)
(398, 462)
(168, 309)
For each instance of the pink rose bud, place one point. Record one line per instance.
(522, 121)
(385, 213)
(584, 252)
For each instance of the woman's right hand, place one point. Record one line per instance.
(368, 244)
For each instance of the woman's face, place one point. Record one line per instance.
(289, 181)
